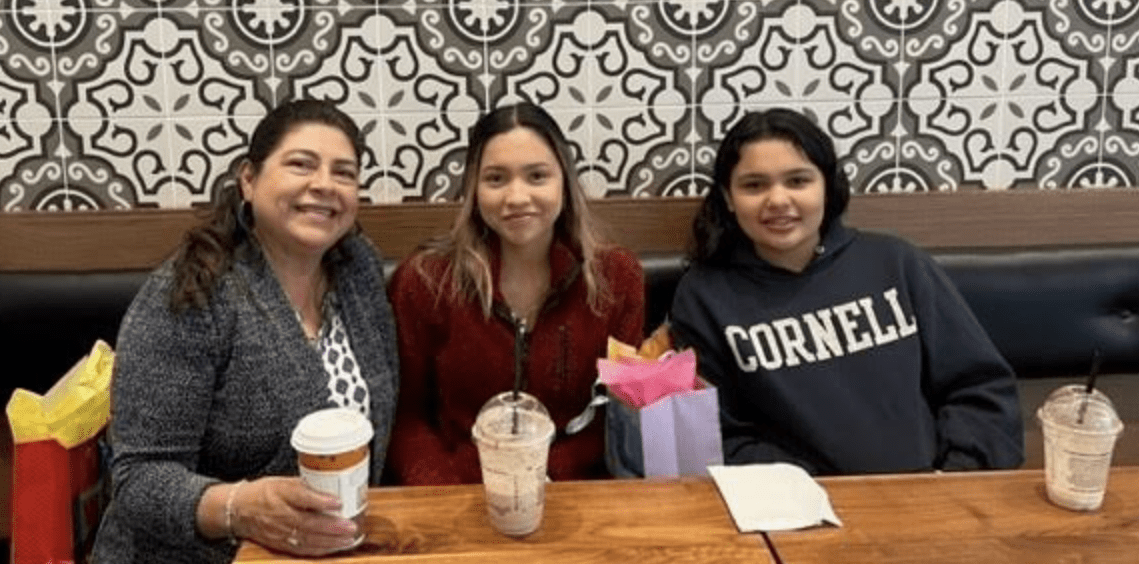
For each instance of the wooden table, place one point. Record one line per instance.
(968, 518)
(625, 521)
(971, 518)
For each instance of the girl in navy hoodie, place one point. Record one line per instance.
(838, 350)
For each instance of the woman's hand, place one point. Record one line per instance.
(282, 513)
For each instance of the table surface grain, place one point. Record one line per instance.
(943, 518)
(967, 518)
(626, 521)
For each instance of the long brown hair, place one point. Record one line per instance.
(207, 251)
(468, 272)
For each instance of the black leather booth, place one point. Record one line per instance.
(49, 320)
(1045, 310)
(1048, 311)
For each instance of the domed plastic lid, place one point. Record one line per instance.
(332, 431)
(496, 419)
(524, 402)
(1064, 405)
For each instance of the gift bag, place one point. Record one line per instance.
(59, 488)
(677, 435)
(661, 419)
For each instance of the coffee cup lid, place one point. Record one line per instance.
(331, 431)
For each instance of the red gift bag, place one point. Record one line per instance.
(58, 495)
(59, 488)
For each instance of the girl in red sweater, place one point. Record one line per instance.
(523, 261)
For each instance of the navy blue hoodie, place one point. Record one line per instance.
(867, 361)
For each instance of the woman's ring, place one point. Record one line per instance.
(293, 540)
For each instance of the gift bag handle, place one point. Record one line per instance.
(582, 420)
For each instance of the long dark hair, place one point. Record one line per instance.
(207, 251)
(715, 230)
(467, 243)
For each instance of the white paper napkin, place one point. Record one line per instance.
(773, 497)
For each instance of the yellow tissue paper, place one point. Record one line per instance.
(616, 350)
(651, 349)
(74, 410)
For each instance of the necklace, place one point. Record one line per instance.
(313, 338)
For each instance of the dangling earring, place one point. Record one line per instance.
(245, 215)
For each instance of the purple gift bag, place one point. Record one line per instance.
(678, 435)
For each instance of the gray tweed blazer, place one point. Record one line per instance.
(213, 394)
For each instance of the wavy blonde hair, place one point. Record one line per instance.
(468, 275)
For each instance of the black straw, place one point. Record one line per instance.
(1097, 360)
(519, 339)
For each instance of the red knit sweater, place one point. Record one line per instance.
(453, 359)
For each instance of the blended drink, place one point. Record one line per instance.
(1080, 429)
(513, 438)
(333, 452)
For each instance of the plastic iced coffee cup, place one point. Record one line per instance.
(513, 438)
(1079, 437)
(334, 455)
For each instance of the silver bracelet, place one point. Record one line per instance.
(229, 511)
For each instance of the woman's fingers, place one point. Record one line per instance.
(315, 541)
(287, 515)
(302, 497)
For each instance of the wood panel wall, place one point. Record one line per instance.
(140, 239)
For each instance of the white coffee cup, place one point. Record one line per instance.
(334, 455)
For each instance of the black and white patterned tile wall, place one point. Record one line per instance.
(112, 104)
